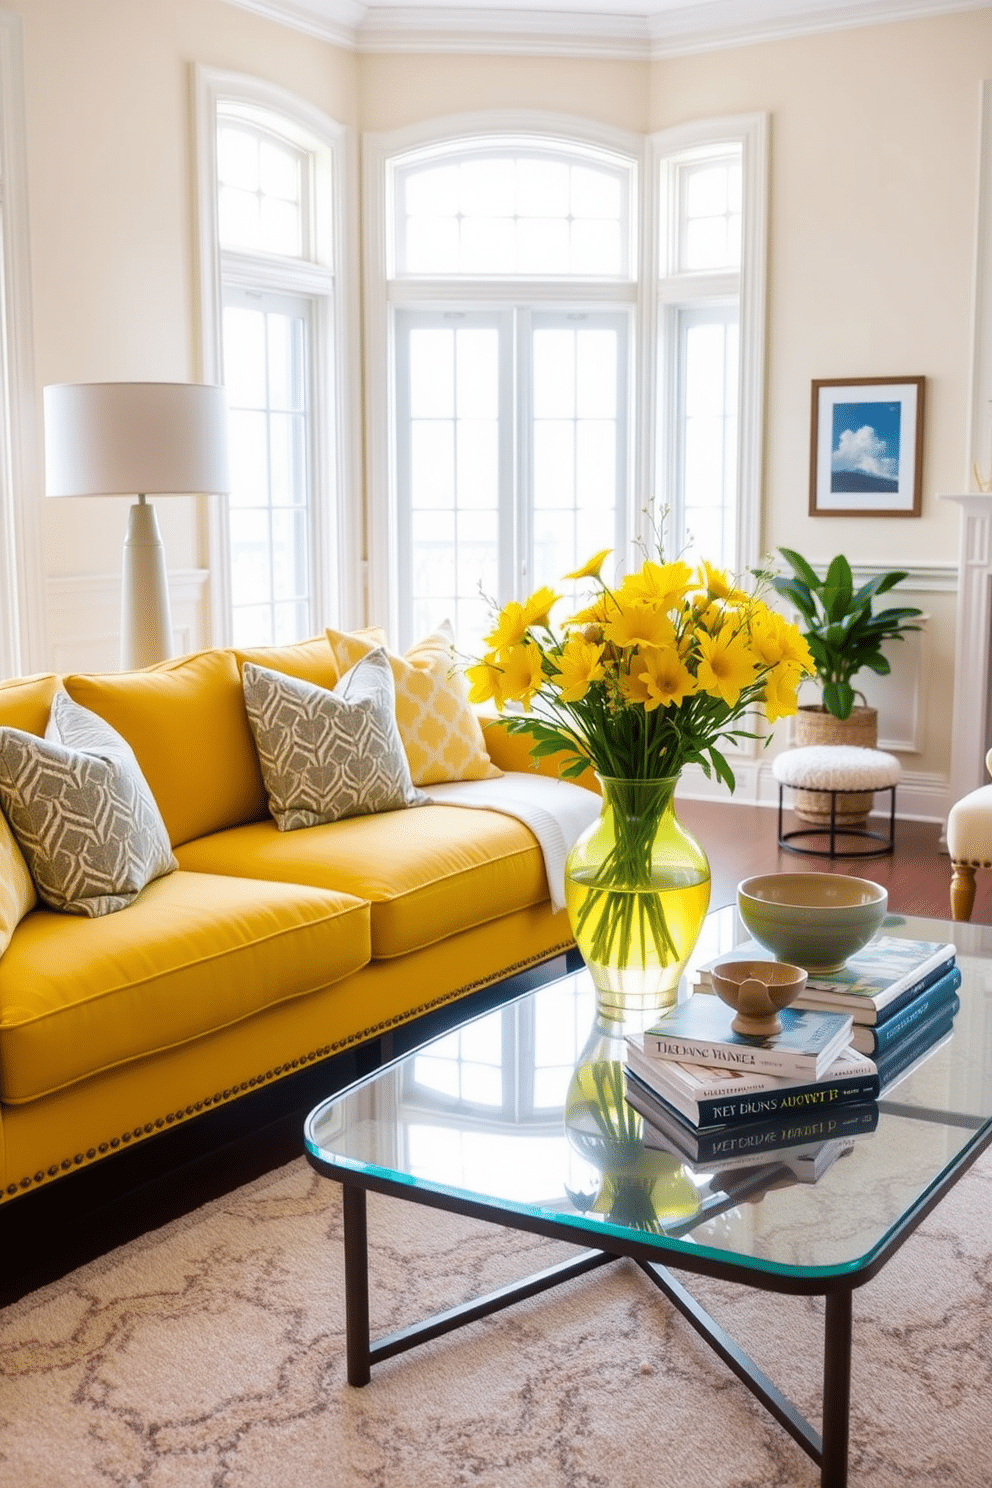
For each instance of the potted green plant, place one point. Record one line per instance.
(842, 631)
(845, 636)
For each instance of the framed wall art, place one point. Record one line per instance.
(866, 447)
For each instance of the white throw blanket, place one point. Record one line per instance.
(556, 811)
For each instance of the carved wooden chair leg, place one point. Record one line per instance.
(962, 891)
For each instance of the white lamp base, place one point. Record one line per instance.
(146, 620)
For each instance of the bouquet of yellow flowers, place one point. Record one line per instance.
(650, 676)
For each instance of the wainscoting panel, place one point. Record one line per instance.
(920, 796)
(84, 623)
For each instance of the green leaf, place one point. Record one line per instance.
(545, 746)
(838, 588)
(838, 699)
(799, 595)
(799, 566)
(889, 580)
(723, 770)
(893, 617)
(867, 592)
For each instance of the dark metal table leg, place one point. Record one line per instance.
(356, 1285)
(836, 1390)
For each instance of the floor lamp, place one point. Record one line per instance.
(137, 439)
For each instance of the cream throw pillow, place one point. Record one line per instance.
(440, 732)
(82, 812)
(328, 754)
(17, 891)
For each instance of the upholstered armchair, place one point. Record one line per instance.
(969, 842)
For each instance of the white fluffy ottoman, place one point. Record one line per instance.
(837, 783)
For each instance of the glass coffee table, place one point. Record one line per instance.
(517, 1116)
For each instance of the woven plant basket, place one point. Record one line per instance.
(812, 724)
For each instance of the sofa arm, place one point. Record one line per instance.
(509, 751)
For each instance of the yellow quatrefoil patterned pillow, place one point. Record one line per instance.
(17, 891)
(440, 732)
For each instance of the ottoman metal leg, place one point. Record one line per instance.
(788, 840)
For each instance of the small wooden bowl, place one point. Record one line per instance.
(756, 990)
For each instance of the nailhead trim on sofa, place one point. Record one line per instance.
(79, 1159)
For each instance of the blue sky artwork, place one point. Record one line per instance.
(864, 450)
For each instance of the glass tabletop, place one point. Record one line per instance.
(522, 1112)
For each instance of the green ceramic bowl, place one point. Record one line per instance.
(813, 920)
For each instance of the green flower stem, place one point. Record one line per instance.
(621, 895)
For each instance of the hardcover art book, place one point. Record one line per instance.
(878, 1039)
(699, 1031)
(873, 985)
(709, 1096)
(748, 1141)
(911, 1051)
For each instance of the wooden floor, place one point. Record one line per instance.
(742, 840)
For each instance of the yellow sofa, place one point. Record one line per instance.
(266, 951)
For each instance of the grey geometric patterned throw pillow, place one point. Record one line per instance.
(82, 812)
(325, 755)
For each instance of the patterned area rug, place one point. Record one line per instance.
(209, 1354)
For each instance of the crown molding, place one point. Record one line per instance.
(638, 30)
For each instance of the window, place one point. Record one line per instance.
(262, 190)
(711, 257)
(275, 331)
(267, 341)
(468, 471)
(510, 295)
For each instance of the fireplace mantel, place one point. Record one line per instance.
(973, 651)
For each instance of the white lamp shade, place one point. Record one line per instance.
(135, 438)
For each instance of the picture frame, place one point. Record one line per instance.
(866, 447)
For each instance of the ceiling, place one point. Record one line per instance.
(603, 28)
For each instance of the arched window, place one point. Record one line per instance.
(270, 209)
(510, 295)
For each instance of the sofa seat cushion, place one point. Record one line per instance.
(193, 954)
(428, 873)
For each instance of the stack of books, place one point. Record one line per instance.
(901, 994)
(714, 1117)
(801, 1097)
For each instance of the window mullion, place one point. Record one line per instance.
(509, 473)
(294, 277)
(509, 291)
(681, 289)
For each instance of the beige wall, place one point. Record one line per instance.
(874, 136)
(874, 144)
(111, 171)
(396, 91)
(872, 231)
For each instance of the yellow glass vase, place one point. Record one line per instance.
(637, 888)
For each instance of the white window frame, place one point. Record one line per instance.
(748, 287)
(23, 631)
(328, 280)
(385, 153)
(293, 305)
